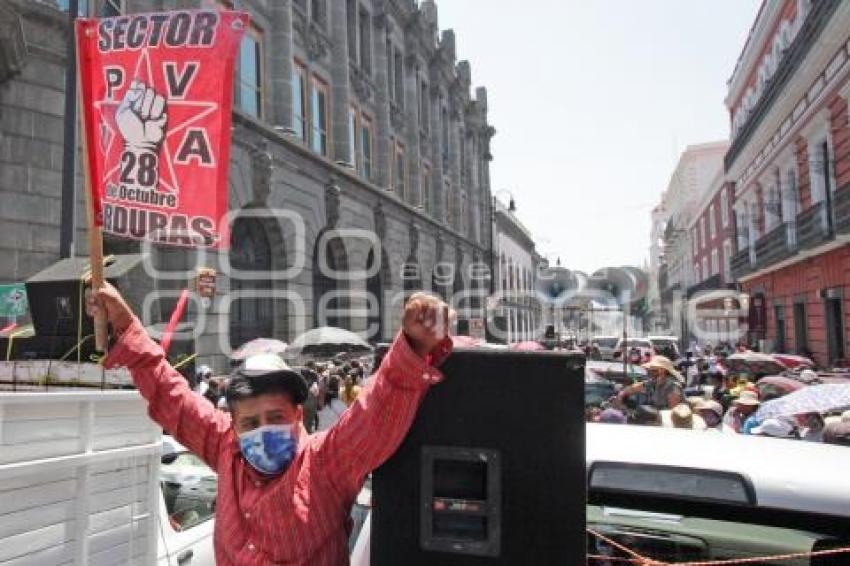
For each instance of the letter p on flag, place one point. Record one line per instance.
(156, 117)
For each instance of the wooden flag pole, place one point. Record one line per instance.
(101, 335)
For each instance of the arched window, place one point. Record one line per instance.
(375, 288)
(252, 316)
(329, 286)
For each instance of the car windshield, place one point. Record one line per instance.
(638, 344)
(606, 342)
(189, 488)
(710, 534)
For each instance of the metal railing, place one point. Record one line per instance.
(740, 263)
(812, 226)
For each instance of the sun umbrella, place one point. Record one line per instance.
(787, 384)
(775, 386)
(465, 342)
(792, 361)
(754, 363)
(259, 346)
(812, 399)
(527, 346)
(328, 339)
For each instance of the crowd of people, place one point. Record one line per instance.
(333, 384)
(715, 401)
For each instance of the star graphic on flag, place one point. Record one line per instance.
(181, 114)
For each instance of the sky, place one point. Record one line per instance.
(593, 101)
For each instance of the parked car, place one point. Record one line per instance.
(676, 495)
(697, 496)
(187, 508)
(606, 344)
(666, 346)
(641, 346)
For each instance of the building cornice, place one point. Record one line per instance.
(816, 21)
(796, 115)
(749, 59)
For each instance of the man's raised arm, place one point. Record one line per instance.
(189, 418)
(371, 430)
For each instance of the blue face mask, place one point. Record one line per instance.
(269, 449)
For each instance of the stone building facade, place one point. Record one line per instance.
(692, 178)
(790, 161)
(359, 165)
(518, 315)
(712, 232)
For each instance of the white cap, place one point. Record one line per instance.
(774, 427)
(263, 363)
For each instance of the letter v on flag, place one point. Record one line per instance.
(157, 95)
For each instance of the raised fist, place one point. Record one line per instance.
(426, 322)
(141, 118)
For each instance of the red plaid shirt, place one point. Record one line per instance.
(301, 516)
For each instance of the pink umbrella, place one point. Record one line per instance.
(793, 361)
(465, 342)
(527, 346)
(784, 383)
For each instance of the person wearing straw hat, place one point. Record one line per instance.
(712, 414)
(742, 408)
(662, 388)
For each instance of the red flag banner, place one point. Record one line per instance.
(157, 93)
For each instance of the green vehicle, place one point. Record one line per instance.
(680, 495)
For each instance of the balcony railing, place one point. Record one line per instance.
(773, 247)
(812, 227)
(741, 263)
(842, 210)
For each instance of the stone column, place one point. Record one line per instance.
(340, 83)
(454, 162)
(411, 88)
(474, 189)
(382, 103)
(280, 60)
(437, 151)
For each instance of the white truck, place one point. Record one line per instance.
(81, 483)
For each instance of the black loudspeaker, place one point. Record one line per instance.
(54, 294)
(493, 468)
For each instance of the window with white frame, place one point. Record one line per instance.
(249, 74)
(697, 273)
(793, 192)
(705, 272)
(704, 229)
(366, 147)
(727, 261)
(299, 101)
(399, 172)
(724, 207)
(352, 134)
(715, 263)
(712, 222)
(319, 116)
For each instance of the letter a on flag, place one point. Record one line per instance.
(157, 94)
